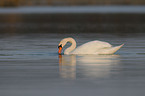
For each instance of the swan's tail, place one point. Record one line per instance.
(110, 50)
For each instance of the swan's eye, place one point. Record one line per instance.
(60, 46)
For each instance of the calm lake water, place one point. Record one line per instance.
(30, 65)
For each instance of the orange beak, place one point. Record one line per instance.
(59, 49)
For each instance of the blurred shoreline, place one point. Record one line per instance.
(73, 19)
(16, 3)
(72, 23)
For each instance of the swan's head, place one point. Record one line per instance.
(61, 45)
(59, 48)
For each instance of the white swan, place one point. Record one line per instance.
(92, 47)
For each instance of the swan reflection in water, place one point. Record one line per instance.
(87, 66)
(67, 66)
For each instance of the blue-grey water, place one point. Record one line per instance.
(30, 65)
(75, 9)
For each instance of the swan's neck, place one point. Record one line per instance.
(72, 47)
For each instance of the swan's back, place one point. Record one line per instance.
(91, 47)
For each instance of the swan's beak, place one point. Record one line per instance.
(59, 49)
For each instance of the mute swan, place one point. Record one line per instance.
(92, 47)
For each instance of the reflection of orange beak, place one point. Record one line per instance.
(59, 50)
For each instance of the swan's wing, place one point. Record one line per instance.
(110, 50)
(91, 47)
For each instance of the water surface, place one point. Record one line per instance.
(30, 65)
(75, 9)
